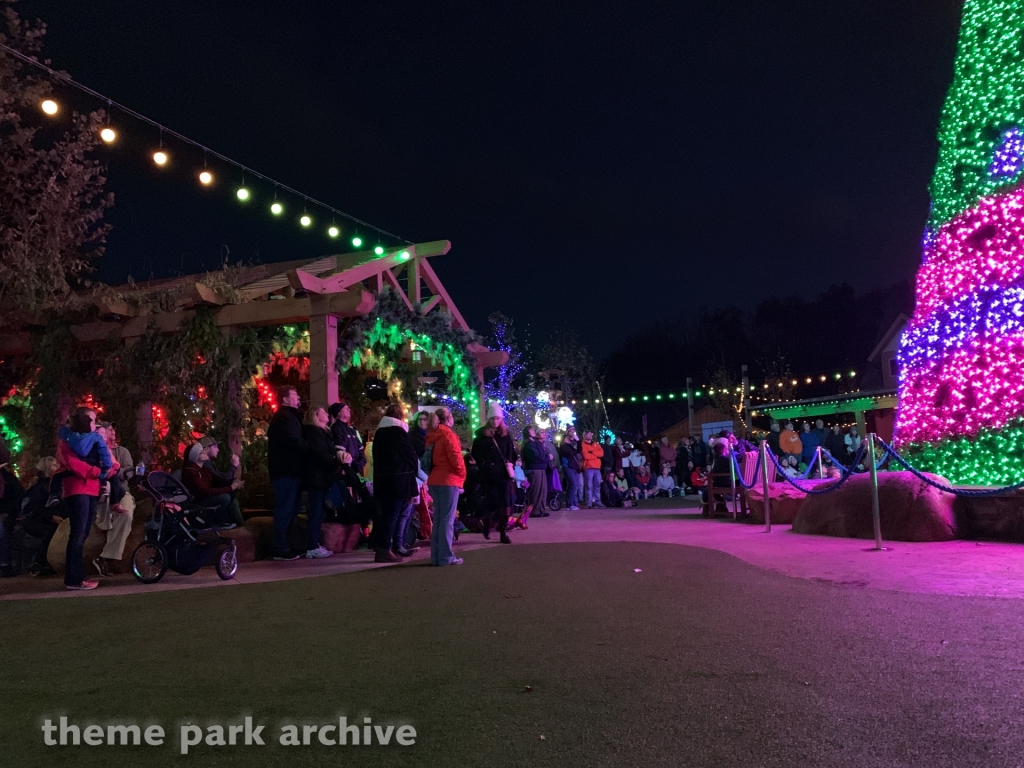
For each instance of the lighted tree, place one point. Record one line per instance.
(962, 357)
(511, 386)
(51, 228)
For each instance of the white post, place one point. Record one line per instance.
(764, 487)
(875, 512)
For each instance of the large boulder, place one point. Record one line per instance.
(339, 537)
(991, 517)
(785, 502)
(910, 509)
(57, 552)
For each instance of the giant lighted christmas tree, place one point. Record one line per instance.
(961, 359)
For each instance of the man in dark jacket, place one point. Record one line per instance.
(569, 452)
(346, 436)
(835, 444)
(395, 466)
(535, 465)
(700, 452)
(285, 451)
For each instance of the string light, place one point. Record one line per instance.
(108, 135)
(404, 255)
(333, 231)
(242, 194)
(379, 250)
(50, 107)
(205, 178)
(357, 242)
(305, 220)
(276, 208)
(961, 357)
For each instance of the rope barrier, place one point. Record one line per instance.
(813, 491)
(890, 451)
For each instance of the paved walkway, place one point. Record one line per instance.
(951, 568)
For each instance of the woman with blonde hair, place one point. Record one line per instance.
(445, 481)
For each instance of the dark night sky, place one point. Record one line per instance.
(598, 163)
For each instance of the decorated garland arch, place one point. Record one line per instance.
(384, 332)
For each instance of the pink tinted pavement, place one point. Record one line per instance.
(968, 568)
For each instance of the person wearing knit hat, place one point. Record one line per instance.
(494, 411)
(495, 455)
(201, 484)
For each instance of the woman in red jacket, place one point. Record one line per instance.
(81, 490)
(447, 476)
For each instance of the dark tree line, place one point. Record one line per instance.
(776, 338)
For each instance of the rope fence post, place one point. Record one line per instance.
(732, 481)
(876, 515)
(821, 469)
(764, 487)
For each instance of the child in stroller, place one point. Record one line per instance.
(181, 534)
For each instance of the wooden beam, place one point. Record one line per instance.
(391, 280)
(414, 280)
(429, 304)
(323, 354)
(254, 313)
(200, 293)
(488, 358)
(434, 284)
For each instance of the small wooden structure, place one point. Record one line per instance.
(317, 291)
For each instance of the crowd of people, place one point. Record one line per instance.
(412, 481)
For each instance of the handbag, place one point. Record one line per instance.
(509, 467)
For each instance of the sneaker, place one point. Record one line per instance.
(574, 509)
(101, 566)
(387, 556)
(455, 561)
(600, 506)
(227, 526)
(287, 556)
(81, 587)
(315, 554)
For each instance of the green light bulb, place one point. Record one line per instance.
(357, 242)
(379, 251)
(404, 255)
(277, 209)
(243, 194)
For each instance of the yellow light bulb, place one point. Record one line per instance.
(333, 231)
(160, 157)
(277, 209)
(109, 135)
(305, 221)
(205, 178)
(49, 106)
(242, 194)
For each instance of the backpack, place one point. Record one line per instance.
(427, 460)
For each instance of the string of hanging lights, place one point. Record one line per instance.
(161, 158)
(758, 392)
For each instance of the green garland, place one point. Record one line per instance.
(391, 325)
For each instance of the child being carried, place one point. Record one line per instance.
(91, 448)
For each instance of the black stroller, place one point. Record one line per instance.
(178, 535)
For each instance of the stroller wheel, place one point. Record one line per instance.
(555, 502)
(149, 562)
(227, 562)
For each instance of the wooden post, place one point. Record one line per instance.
(144, 431)
(234, 436)
(323, 355)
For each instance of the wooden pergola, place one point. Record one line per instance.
(317, 291)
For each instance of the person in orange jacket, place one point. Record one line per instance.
(789, 441)
(592, 453)
(446, 479)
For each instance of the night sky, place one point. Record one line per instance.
(598, 164)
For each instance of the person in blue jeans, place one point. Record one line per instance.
(446, 479)
(323, 460)
(286, 450)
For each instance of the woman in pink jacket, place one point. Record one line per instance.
(81, 490)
